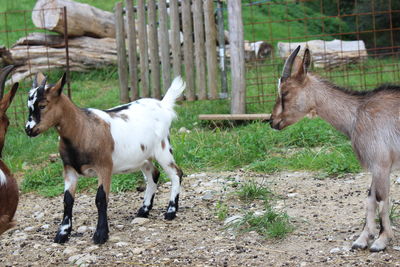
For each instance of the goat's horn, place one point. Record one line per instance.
(287, 68)
(3, 77)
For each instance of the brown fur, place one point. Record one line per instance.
(371, 121)
(9, 194)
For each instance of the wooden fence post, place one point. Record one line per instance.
(153, 45)
(143, 49)
(175, 38)
(221, 43)
(199, 46)
(238, 101)
(188, 49)
(211, 36)
(122, 64)
(132, 53)
(164, 41)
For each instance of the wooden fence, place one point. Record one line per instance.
(158, 41)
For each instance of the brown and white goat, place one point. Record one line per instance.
(96, 142)
(370, 119)
(8, 185)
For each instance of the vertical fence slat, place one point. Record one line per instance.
(175, 38)
(132, 58)
(122, 64)
(188, 49)
(164, 41)
(143, 49)
(198, 20)
(238, 103)
(153, 49)
(211, 40)
(221, 42)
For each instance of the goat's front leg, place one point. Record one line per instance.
(70, 180)
(151, 174)
(386, 232)
(101, 234)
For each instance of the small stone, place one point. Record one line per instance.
(334, 250)
(82, 229)
(122, 244)
(70, 250)
(291, 195)
(92, 248)
(139, 221)
(396, 248)
(119, 226)
(398, 180)
(142, 229)
(82, 259)
(137, 250)
(232, 219)
(209, 195)
(29, 229)
(183, 130)
(45, 226)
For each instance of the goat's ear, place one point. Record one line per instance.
(40, 79)
(56, 90)
(8, 98)
(303, 69)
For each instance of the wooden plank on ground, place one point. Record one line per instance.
(235, 117)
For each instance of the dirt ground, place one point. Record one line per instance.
(327, 214)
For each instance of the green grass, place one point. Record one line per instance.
(271, 224)
(250, 191)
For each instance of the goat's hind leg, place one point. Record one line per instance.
(70, 180)
(165, 158)
(103, 191)
(382, 198)
(151, 175)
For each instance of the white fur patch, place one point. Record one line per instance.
(32, 98)
(65, 227)
(30, 124)
(3, 178)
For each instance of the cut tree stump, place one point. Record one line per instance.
(82, 19)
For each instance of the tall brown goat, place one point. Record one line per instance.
(8, 185)
(370, 119)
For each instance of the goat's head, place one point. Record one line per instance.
(44, 112)
(294, 100)
(5, 103)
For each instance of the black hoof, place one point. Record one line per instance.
(170, 216)
(143, 212)
(100, 237)
(358, 247)
(61, 239)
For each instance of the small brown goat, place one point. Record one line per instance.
(8, 185)
(370, 119)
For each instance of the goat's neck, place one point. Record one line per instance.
(335, 106)
(72, 120)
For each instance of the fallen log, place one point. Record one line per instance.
(85, 53)
(82, 19)
(328, 54)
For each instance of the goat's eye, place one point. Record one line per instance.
(42, 107)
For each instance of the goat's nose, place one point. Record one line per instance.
(28, 131)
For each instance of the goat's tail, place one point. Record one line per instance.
(174, 91)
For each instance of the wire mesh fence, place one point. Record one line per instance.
(16, 49)
(355, 44)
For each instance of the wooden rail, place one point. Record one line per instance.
(235, 117)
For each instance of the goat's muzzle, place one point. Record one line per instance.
(275, 124)
(32, 132)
